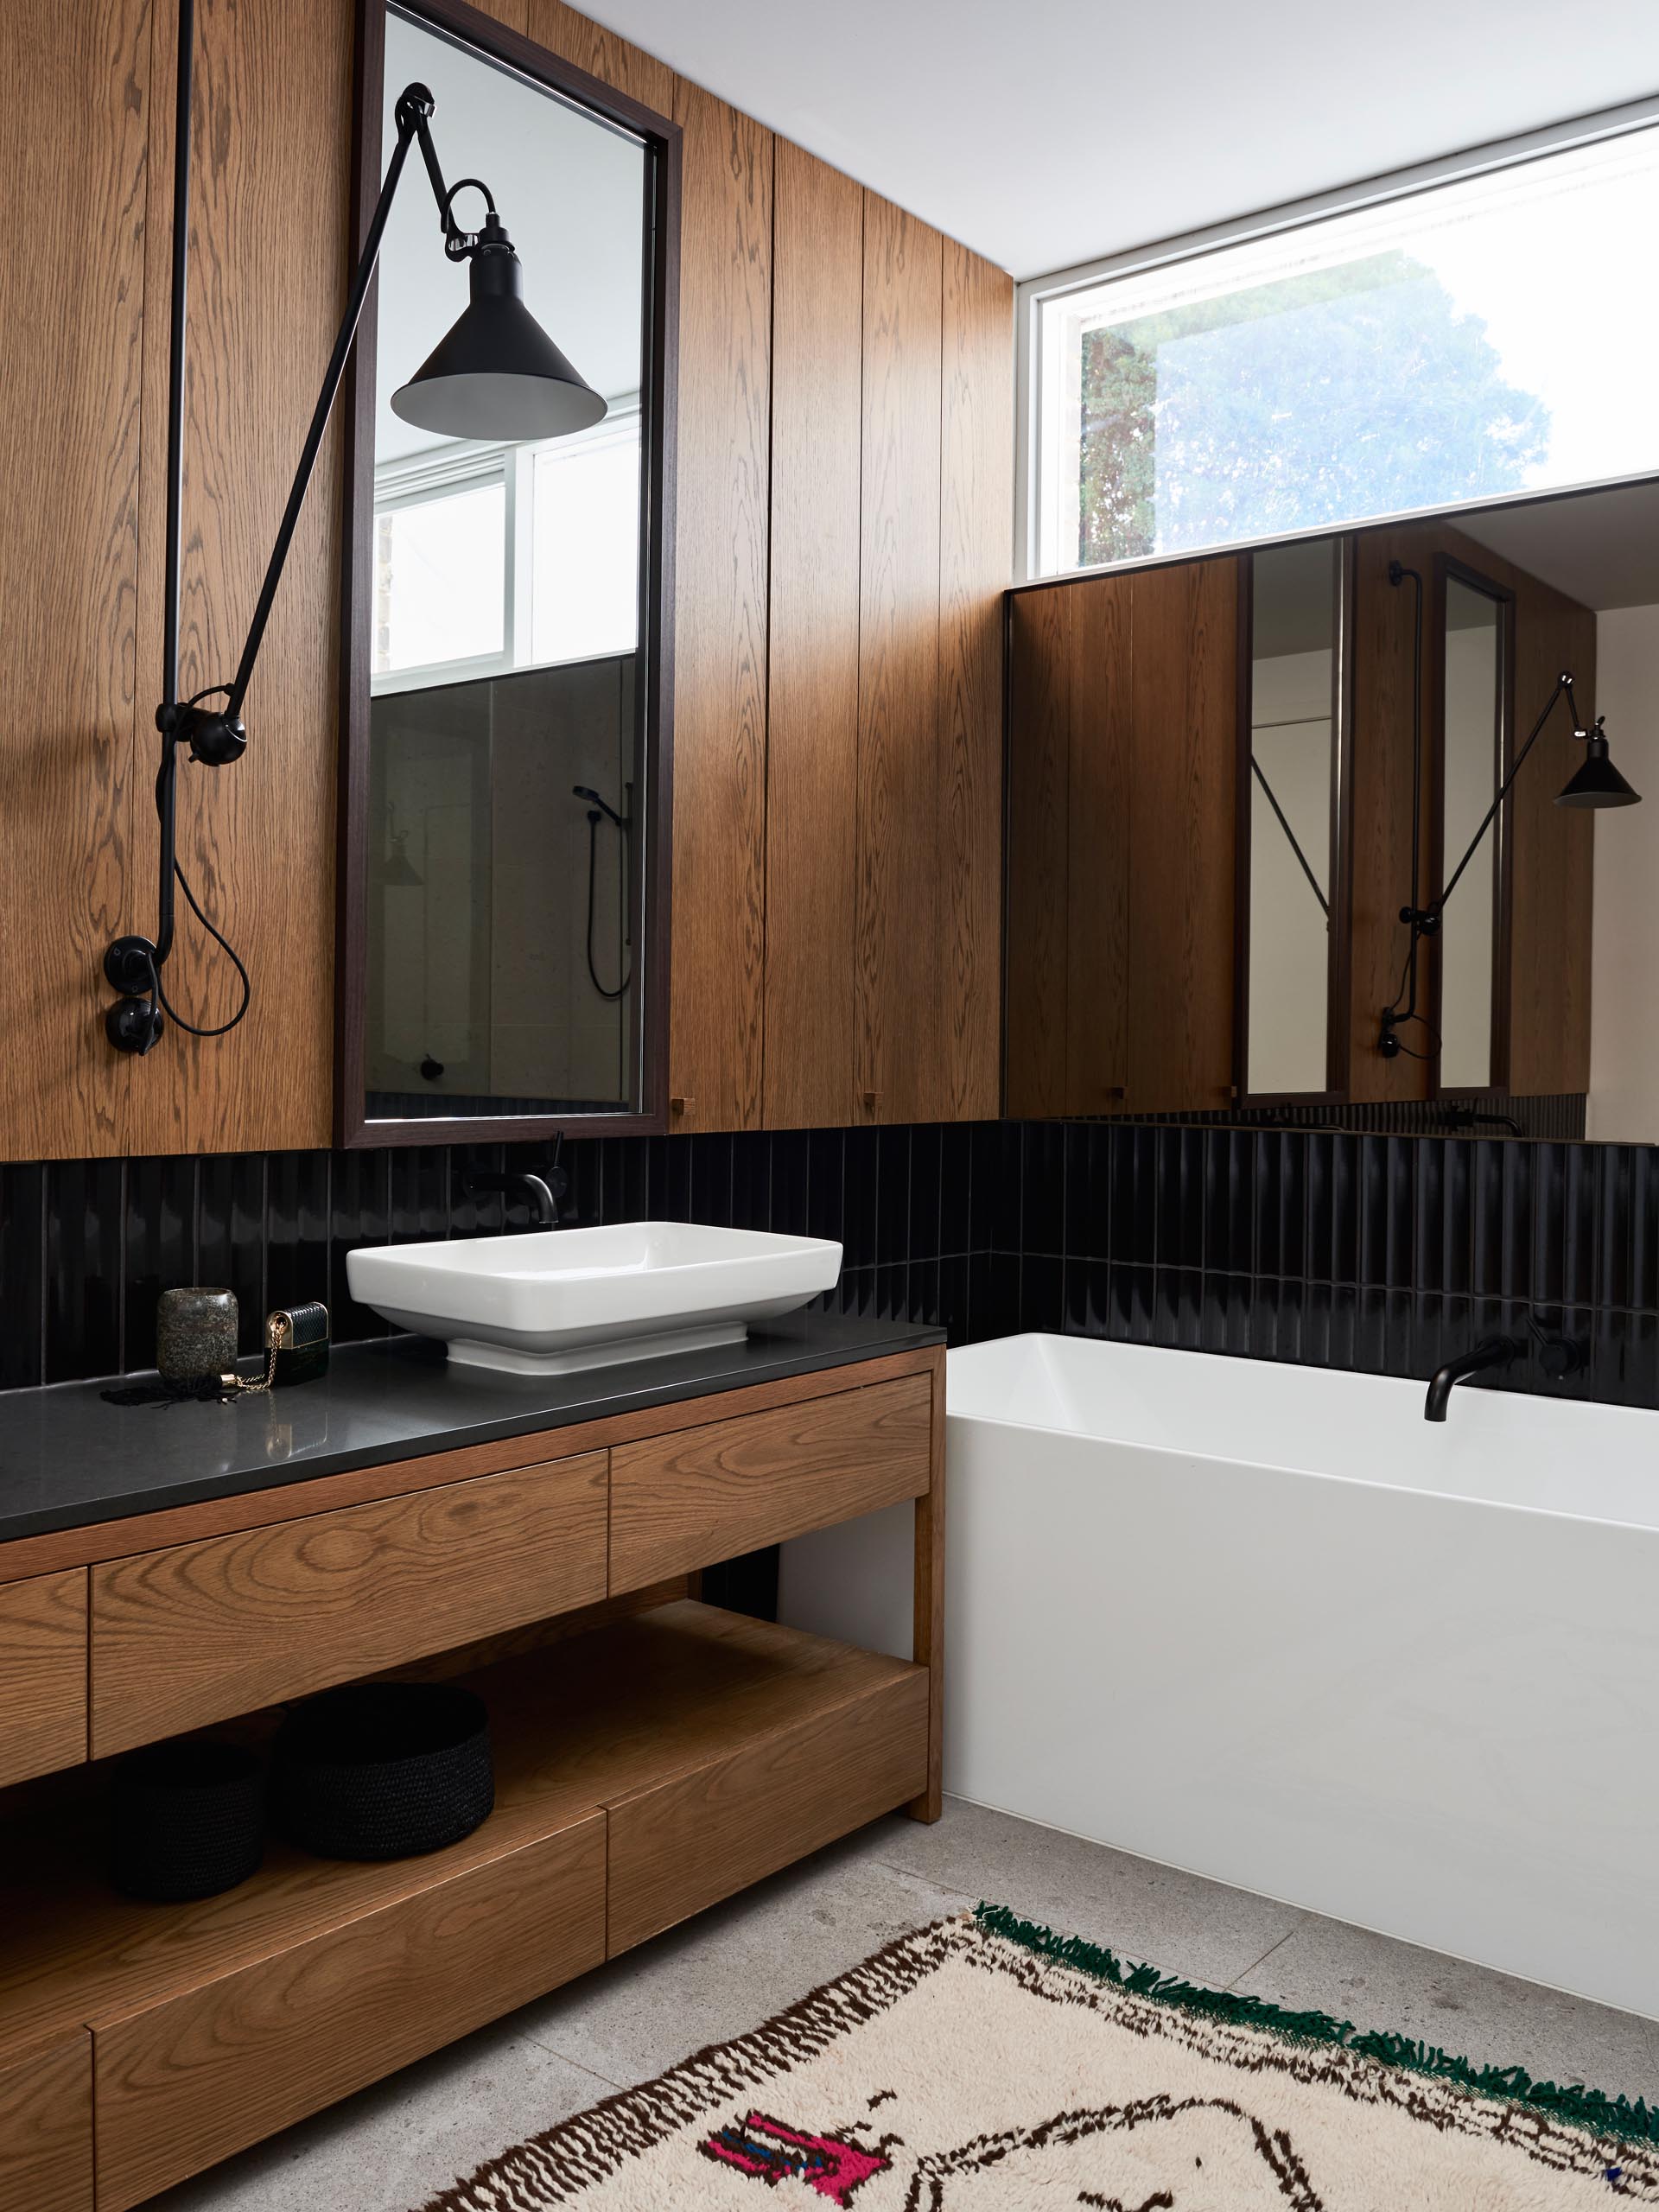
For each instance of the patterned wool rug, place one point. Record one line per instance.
(983, 2065)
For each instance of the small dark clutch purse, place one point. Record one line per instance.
(296, 1339)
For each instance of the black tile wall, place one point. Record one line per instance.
(1341, 1249)
(1381, 1252)
(87, 1247)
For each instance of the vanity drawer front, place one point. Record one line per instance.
(217, 2068)
(46, 2128)
(200, 1631)
(42, 1674)
(701, 1836)
(707, 1494)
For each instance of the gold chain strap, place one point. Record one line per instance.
(275, 1334)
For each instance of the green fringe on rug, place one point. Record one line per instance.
(1577, 2106)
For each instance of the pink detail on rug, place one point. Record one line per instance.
(825, 2163)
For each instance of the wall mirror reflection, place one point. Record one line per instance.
(507, 736)
(1474, 698)
(1368, 857)
(1291, 855)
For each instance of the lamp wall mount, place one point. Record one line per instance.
(215, 735)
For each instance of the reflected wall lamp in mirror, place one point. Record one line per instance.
(1595, 783)
(496, 375)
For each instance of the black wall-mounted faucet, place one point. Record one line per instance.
(546, 1193)
(1494, 1351)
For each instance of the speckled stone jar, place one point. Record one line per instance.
(195, 1334)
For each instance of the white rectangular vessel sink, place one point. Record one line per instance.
(559, 1299)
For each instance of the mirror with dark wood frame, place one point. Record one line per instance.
(505, 737)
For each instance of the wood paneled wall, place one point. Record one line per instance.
(892, 415)
(843, 519)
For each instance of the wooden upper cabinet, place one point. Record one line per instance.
(899, 963)
(975, 534)
(936, 510)
(817, 342)
(722, 461)
(1123, 780)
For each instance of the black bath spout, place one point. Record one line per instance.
(1494, 1352)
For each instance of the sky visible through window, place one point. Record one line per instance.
(1491, 337)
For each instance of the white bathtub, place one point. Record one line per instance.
(1266, 1623)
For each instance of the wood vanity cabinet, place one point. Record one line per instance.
(42, 1673)
(653, 1754)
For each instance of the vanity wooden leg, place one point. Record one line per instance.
(929, 1608)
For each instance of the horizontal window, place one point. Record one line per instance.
(1487, 337)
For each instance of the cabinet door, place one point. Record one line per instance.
(818, 308)
(200, 1631)
(688, 1842)
(702, 1495)
(42, 1673)
(46, 2128)
(189, 2081)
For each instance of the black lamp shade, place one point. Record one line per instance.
(1597, 782)
(497, 375)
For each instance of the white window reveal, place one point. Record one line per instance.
(1486, 336)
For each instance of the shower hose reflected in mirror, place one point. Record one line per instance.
(599, 811)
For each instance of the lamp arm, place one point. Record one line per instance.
(133, 963)
(1563, 690)
(411, 123)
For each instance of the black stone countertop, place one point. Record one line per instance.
(68, 1458)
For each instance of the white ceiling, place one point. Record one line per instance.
(1052, 133)
(1601, 548)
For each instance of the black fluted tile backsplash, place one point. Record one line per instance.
(1372, 1251)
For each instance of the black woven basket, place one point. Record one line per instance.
(188, 1820)
(382, 1771)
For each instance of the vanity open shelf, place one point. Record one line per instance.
(654, 1754)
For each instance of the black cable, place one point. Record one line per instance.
(157, 989)
(1397, 1013)
(190, 1028)
(593, 972)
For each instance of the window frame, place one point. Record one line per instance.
(1032, 370)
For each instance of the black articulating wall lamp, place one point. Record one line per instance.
(497, 375)
(1595, 782)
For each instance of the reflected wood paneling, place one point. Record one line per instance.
(1183, 768)
(719, 616)
(899, 982)
(976, 504)
(812, 734)
(1101, 867)
(1039, 846)
(1552, 848)
(1381, 783)
(70, 328)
